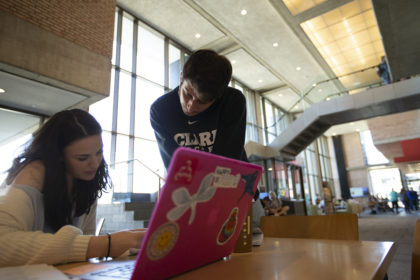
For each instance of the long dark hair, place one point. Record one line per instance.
(47, 145)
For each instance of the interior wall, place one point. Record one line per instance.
(353, 156)
(68, 41)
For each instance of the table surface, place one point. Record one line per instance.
(290, 258)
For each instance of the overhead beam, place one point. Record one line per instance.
(320, 9)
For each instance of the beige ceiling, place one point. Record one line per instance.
(295, 52)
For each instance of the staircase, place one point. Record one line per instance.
(142, 211)
(390, 99)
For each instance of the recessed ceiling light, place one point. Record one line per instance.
(244, 12)
(275, 44)
(298, 68)
(197, 35)
(297, 106)
(314, 84)
(280, 94)
(233, 61)
(260, 81)
(352, 123)
(334, 134)
(357, 130)
(2, 90)
(327, 98)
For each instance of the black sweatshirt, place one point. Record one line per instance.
(220, 129)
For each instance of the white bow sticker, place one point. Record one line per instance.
(183, 200)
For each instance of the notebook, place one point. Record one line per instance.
(198, 216)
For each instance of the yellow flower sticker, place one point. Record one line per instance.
(162, 241)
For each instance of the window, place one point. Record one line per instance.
(124, 104)
(174, 66)
(102, 110)
(17, 129)
(126, 43)
(150, 56)
(371, 154)
(146, 94)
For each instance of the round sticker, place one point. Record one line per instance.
(162, 241)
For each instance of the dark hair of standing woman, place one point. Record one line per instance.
(47, 145)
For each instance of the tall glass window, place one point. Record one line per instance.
(126, 43)
(174, 66)
(147, 93)
(372, 155)
(150, 55)
(124, 103)
(17, 129)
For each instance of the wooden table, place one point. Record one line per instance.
(284, 258)
(289, 258)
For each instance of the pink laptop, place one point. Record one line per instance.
(198, 216)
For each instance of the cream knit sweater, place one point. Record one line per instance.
(22, 231)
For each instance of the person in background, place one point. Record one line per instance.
(275, 206)
(382, 71)
(405, 200)
(413, 199)
(393, 198)
(203, 113)
(328, 198)
(48, 214)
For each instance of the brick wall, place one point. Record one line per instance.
(88, 23)
(394, 127)
(352, 147)
(357, 174)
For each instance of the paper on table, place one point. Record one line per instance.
(32, 272)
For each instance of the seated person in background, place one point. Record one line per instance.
(275, 206)
(372, 204)
(265, 204)
(48, 214)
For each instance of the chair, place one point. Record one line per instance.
(337, 227)
(415, 261)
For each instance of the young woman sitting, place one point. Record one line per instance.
(48, 214)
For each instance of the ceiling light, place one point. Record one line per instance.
(314, 84)
(352, 123)
(298, 68)
(334, 134)
(260, 81)
(244, 12)
(297, 106)
(357, 130)
(270, 169)
(2, 90)
(275, 44)
(328, 98)
(197, 35)
(233, 61)
(320, 90)
(280, 94)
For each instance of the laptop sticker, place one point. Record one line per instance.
(229, 227)
(223, 178)
(184, 201)
(184, 172)
(162, 241)
(249, 183)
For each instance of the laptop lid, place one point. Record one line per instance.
(198, 216)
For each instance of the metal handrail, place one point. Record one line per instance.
(144, 165)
